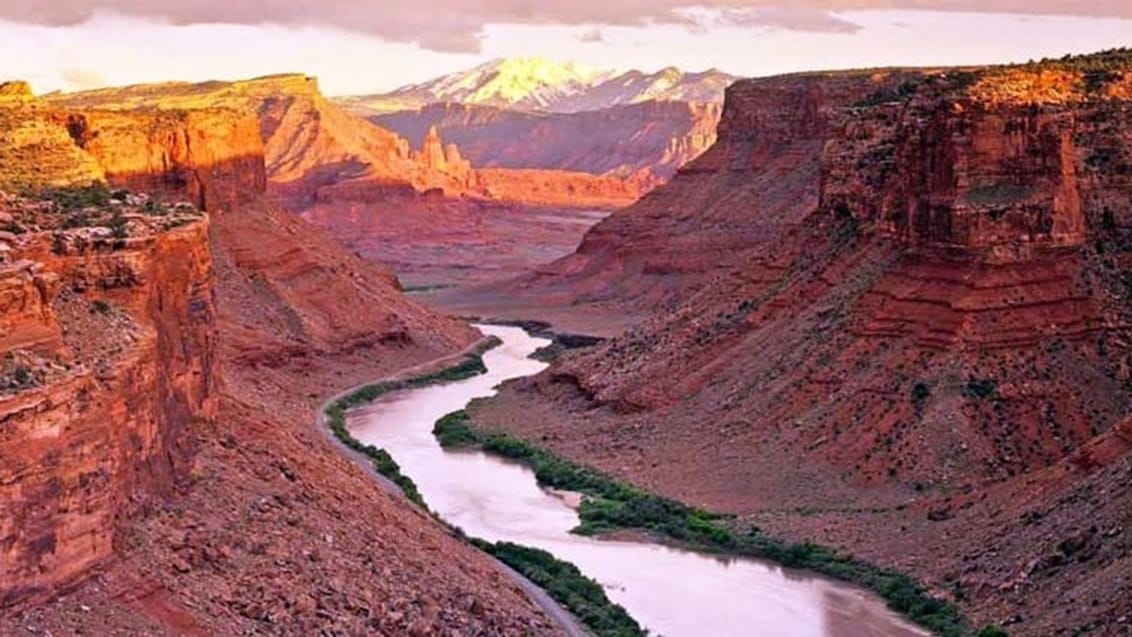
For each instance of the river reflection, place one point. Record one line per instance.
(671, 592)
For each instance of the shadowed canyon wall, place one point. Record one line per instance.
(86, 445)
(902, 211)
(110, 333)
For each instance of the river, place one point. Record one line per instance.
(672, 593)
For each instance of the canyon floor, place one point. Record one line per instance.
(457, 243)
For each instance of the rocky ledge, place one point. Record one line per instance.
(108, 334)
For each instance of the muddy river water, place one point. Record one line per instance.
(670, 592)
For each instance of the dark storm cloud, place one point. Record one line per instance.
(455, 25)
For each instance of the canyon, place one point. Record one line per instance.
(572, 141)
(644, 142)
(885, 312)
(387, 198)
(882, 311)
(165, 352)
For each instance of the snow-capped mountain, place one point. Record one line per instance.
(536, 84)
(667, 85)
(518, 83)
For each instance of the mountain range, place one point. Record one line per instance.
(537, 84)
(529, 113)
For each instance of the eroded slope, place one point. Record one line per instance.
(878, 313)
(166, 438)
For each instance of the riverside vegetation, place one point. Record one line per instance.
(383, 463)
(566, 584)
(563, 581)
(614, 505)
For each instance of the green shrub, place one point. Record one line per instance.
(99, 306)
(453, 431)
(921, 392)
(23, 376)
(901, 93)
(611, 505)
(118, 227)
(563, 581)
(66, 199)
(984, 388)
(383, 463)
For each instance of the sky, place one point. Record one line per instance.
(368, 46)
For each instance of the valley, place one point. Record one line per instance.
(177, 486)
(885, 313)
(828, 353)
(666, 590)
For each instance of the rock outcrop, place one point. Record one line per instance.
(26, 317)
(123, 448)
(647, 141)
(108, 328)
(317, 152)
(111, 348)
(212, 158)
(876, 289)
(432, 151)
(15, 93)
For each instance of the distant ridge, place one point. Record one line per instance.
(537, 84)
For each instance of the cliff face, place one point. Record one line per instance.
(649, 141)
(891, 209)
(110, 400)
(320, 157)
(760, 179)
(875, 289)
(211, 158)
(108, 327)
(111, 366)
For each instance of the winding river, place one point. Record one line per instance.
(670, 592)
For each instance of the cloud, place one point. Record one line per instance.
(591, 36)
(789, 19)
(457, 25)
(78, 79)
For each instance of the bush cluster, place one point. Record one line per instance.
(568, 586)
(383, 463)
(67, 199)
(612, 505)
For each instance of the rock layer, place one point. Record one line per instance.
(209, 507)
(316, 152)
(87, 449)
(877, 291)
(647, 141)
(211, 158)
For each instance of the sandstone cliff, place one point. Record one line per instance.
(124, 450)
(111, 362)
(316, 152)
(212, 158)
(649, 141)
(876, 291)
